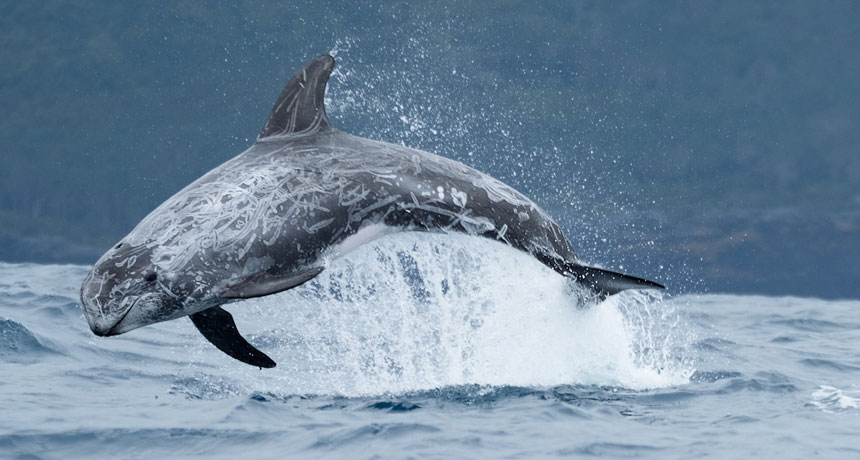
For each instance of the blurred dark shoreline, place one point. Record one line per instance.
(778, 252)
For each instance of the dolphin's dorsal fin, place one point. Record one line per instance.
(300, 108)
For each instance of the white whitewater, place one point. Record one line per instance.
(416, 311)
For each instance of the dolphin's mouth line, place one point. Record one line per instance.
(112, 330)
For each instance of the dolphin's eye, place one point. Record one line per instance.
(150, 277)
(118, 245)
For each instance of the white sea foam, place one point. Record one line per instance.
(416, 311)
(832, 399)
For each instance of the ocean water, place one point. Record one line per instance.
(434, 346)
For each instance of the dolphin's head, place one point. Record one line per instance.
(125, 291)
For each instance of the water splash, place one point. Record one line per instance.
(416, 311)
(414, 97)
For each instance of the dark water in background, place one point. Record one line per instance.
(717, 140)
(375, 362)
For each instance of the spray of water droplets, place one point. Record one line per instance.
(416, 311)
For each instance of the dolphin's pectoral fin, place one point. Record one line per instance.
(217, 325)
(606, 282)
(263, 284)
(301, 107)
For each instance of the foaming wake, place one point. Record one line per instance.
(416, 311)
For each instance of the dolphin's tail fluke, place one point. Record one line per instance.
(605, 282)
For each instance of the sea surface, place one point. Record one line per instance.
(434, 346)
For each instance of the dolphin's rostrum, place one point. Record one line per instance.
(267, 220)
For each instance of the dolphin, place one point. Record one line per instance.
(305, 192)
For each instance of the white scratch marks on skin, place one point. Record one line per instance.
(319, 225)
(476, 225)
(281, 199)
(459, 197)
(500, 234)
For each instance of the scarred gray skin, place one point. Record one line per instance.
(285, 205)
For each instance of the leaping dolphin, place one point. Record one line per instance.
(267, 220)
